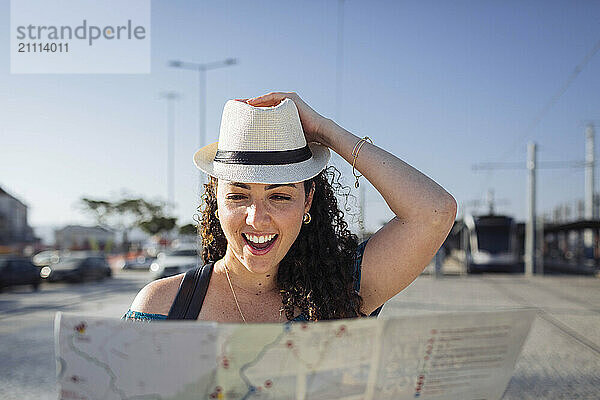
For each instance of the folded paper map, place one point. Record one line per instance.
(466, 356)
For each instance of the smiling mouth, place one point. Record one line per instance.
(260, 248)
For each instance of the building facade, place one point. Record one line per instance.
(14, 229)
(77, 237)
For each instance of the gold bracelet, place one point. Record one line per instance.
(355, 152)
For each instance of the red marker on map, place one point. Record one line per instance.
(80, 328)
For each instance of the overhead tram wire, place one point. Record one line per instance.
(522, 165)
(553, 100)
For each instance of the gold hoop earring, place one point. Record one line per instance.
(217, 213)
(306, 218)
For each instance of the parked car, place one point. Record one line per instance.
(140, 262)
(77, 268)
(18, 271)
(46, 257)
(175, 261)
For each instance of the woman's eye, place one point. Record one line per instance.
(280, 197)
(236, 197)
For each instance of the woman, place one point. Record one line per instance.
(274, 240)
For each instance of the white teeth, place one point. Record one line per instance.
(259, 239)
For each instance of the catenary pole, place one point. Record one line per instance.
(588, 234)
(531, 198)
(589, 172)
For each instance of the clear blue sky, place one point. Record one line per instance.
(442, 85)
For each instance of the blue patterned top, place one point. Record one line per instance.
(142, 316)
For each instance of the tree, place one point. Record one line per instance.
(188, 229)
(158, 224)
(125, 214)
(99, 208)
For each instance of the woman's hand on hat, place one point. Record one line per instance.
(312, 121)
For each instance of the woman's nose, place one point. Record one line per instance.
(258, 215)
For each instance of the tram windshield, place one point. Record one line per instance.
(493, 239)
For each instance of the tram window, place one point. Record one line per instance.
(494, 239)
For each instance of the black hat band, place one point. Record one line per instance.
(264, 157)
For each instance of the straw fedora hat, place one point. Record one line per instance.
(262, 145)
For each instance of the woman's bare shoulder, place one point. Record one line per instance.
(157, 296)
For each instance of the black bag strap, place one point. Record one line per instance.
(191, 293)
(184, 294)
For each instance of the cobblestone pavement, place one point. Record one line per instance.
(560, 359)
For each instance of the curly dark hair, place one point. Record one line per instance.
(316, 275)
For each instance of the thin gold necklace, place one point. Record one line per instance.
(281, 310)
(234, 296)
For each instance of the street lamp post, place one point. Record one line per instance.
(171, 98)
(201, 69)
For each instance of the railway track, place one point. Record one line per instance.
(546, 316)
(560, 294)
